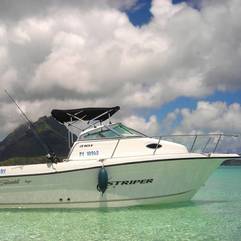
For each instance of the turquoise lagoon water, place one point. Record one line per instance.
(213, 214)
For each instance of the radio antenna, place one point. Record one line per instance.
(50, 154)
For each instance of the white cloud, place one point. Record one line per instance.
(57, 53)
(207, 118)
(10, 116)
(12, 10)
(149, 127)
(212, 117)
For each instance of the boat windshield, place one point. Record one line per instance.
(111, 131)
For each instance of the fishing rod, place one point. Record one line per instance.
(50, 154)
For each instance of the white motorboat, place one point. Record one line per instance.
(109, 165)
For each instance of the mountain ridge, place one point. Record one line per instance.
(22, 143)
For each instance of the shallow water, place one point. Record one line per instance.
(213, 214)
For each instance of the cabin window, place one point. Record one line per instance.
(113, 131)
(126, 131)
(100, 133)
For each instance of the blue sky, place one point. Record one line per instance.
(190, 103)
(141, 15)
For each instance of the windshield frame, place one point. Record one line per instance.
(98, 133)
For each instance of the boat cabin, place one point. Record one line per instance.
(101, 141)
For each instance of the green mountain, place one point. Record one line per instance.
(22, 147)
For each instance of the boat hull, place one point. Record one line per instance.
(134, 183)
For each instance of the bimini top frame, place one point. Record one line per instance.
(84, 114)
(91, 115)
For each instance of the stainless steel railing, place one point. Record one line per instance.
(210, 145)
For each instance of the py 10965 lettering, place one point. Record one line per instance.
(89, 153)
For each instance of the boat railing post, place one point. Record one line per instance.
(115, 148)
(157, 145)
(205, 146)
(216, 146)
(193, 144)
(69, 139)
(71, 134)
